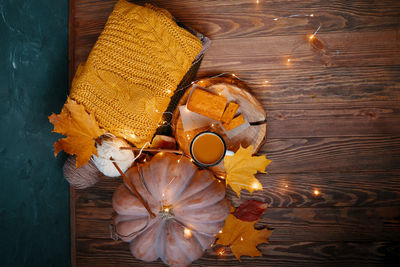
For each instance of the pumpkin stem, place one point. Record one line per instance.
(166, 212)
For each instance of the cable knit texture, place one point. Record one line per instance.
(133, 69)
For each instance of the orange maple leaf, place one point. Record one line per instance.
(241, 167)
(242, 237)
(81, 130)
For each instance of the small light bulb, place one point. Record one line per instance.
(311, 36)
(241, 238)
(255, 185)
(144, 160)
(275, 19)
(220, 231)
(316, 192)
(233, 74)
(166, 209)
(288, 60)
(312, 15)
(221, 251)
(187, 233)
(286, 186)
(266, 81)
(179, 160)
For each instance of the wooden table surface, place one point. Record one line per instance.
(333, 125)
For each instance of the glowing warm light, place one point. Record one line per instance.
(316, 192)
(212, 125)
(275, 19)
(233, 74)
(220, 231)
(286, 186)
(133, 136)
(166, 209)
(311, 36)
(221, 251)
(191, 160)
(241, 238)
(163, 195)
(144, 160)
(169, 91)
(179, 160)
(258, 1)
(187, 233)
(288, 60)
(161, 153)
(311, 15)
(266, 81)
(156, 110)
(256, 185)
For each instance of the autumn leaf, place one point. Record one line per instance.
(250, 210)
(241, 167)
(242, 237)
(81, 130)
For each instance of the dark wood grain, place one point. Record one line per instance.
(294, 224)
(342, 50)
(337, 214)
(333, 124)
(112, 253)
(340, 85)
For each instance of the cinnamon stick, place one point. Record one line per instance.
(133, 189)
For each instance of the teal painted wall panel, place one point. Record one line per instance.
(34, 197)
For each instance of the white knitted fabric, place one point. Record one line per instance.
(110, 148)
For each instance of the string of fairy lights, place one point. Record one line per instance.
(167, 209)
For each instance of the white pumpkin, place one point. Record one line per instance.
(189, 204)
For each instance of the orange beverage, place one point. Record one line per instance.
(207, 148)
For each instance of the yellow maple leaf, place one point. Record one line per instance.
(242, 237)
(81, 130)
(241, 167)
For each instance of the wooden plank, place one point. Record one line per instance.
(246, 18)
(321, 85)
(365, 207)
(336, 154)
(342, 50)
(355, 189)
(289, 224)
(329, 120)
(116, 253)
(361, 189)
(242, 19)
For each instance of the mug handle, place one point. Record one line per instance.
(229, 153)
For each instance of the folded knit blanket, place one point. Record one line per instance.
(133, 69)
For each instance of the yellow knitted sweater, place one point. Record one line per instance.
(133, 69)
